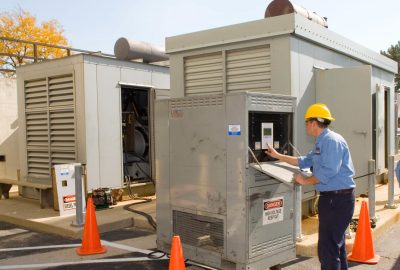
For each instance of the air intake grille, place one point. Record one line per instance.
(194, 102)
(272, 246)
(272, 102)
(61, 91)
(200, 231)
(203, 74)
(50, 124)
(248, 69)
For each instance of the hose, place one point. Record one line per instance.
(149, 218)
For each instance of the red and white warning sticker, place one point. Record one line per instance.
(273, 210)
(69, 202)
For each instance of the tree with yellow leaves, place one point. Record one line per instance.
(21, 25)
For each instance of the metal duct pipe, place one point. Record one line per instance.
(125, 49)
(282, 7)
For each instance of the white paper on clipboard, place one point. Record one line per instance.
(278, 170)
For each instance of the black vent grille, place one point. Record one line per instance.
(200, 231)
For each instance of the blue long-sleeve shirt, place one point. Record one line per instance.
(331, 162)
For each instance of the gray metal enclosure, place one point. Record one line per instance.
(73, 110)
(291, 55)
(207, 192)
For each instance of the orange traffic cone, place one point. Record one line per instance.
(363, 248)
(90, 239)
(176, 261)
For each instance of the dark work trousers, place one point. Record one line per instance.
(335, 213)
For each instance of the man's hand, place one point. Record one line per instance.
(272, 152)
(304, 180)
(300, 179)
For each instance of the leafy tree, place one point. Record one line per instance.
(22, 25)
(394, 53)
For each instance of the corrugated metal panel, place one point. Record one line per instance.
(203, 74)
(50, 124)
(248, 69)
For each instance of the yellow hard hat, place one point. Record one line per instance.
(318, 110)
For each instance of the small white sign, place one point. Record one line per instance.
(273, 210)
(234, 130)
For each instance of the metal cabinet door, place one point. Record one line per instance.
(347, 93)
(270, 221)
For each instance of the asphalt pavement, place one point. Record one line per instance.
(129, 248)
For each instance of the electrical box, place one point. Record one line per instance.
(228, 213)
(65, 181)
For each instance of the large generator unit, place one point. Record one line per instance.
(89, 109)
(212, 192)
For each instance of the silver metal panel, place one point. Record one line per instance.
(339, 90)
(391, 121)
(325, 37)
(236, 147)
(110, 138)
(80, 123)
(92, 126)
(198, 154)
(380, 129)
(273, 238)
(281, 65)
(230, 34)
(278, 170)
(162, 173)
(160, 80)
(136, 75)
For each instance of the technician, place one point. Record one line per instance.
(332, 175)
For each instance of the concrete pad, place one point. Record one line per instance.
(27, 213)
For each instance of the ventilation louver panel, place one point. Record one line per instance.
(272, 246)
(203, 74)
(200, 231)
(196, 102)
(50, 124)
(37, 134)
(248, 69)
(62, 157)
(62, 129)
(36, 94)
(61, 91)
(38, 163)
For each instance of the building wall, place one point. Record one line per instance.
(8, 128)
